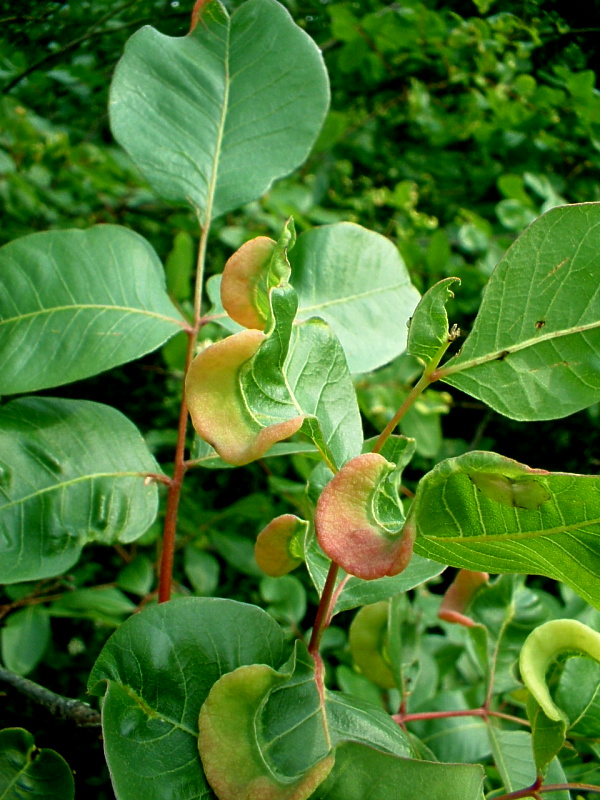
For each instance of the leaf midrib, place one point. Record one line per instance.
(461, 366)
(96, 306)
(151, 712)
(72, 482)
(511, 537)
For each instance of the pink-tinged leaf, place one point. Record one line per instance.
(278, 548)
(459, 595)
(350, 524)
(217, 408)
(240, 282)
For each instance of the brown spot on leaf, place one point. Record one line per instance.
(541, 323)
(557, 267)
(501, 356)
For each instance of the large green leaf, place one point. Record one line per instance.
(27, 773)
(363, 772)
(75, 303)
(482, 511)
(212, 118)
(356, 280)
(71, 472)
(534, 351)
(159, 668)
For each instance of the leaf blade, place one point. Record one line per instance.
(223, 97)
(75, 303)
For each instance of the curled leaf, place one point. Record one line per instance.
(239, 285)
(217, 407)
(359, 516)
(252, 751)
(278, 548)
(542, 646)
(459, 595)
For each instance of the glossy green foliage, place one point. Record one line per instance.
(156, 672)
(75, 303)
(28, 772)
(484, 511)
(228, 118)
(533, 351)
(73, 472)
(362, 771)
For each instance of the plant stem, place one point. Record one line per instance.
(537, 789)
(323, 615)
(59, 706)
(174, 493)
(475, 712)
(428, 377)
(180, 464)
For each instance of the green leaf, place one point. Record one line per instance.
(356, 281)
(137, 577)
(547, 735)
(71, 472)
(507, 611)
(368, 640)
(271, 726)
(353, 719)
(76, 303)
(578, 694)
(513, 755)
(534, 348)
(27, 773)
(202, 570)
(159, 667)
(428, 335)
(361, 771)
(482, 511)
(103, 603)
(179, 266)
(25, 637)
(285, 597)
(212, 118)
(357, 592)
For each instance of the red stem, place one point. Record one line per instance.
(174, 493)
(323, 616)
(537, 789)
(474, 712)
